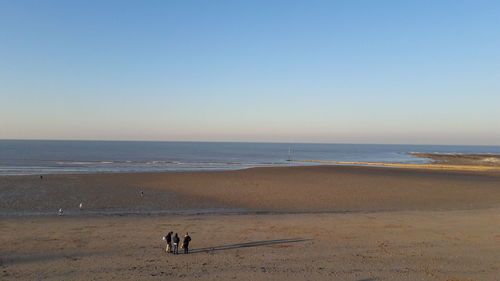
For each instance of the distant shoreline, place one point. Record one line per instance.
(469, 159)
(440, 161)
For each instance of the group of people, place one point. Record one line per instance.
(173, 243)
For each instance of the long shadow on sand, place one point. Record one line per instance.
(248, 244)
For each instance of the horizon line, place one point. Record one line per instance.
(268, 142)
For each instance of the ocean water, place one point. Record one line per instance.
(30, 157)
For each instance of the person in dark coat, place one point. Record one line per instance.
(185, 243)
(176, 244)
(168, 239)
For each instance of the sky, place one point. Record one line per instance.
(353, 71)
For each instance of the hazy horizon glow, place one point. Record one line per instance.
(420, 72)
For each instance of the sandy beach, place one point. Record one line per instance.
(292, 223)
(280, 140)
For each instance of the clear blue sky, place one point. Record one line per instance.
(422, 72)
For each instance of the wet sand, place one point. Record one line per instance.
(294, 223)
(288, 189)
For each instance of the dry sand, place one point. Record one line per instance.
(320, 223)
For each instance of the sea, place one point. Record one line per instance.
(33, 157)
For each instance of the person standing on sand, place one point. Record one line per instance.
(185, 243)
(176, 244)
(168, 238)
